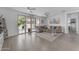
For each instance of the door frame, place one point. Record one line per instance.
(76, 21)
(26, 23)
(30, 17)
(17, 23)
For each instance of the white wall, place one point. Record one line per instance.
(11, 20)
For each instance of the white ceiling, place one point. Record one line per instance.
(52, 10)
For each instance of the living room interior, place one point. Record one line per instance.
(39, 28)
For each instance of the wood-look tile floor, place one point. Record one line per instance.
(30, 42)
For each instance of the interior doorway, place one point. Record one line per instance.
(72, 25)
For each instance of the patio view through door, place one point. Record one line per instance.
(21, 24)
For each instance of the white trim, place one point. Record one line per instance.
(72, 11)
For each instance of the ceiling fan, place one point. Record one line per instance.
(31, 9)
(46, 14)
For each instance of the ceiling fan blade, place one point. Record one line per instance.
(31, 8)
(46, 13)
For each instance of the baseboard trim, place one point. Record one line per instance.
(14, 35)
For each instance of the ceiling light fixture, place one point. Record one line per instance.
(30, 9)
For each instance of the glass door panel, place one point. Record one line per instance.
(37, 22)
(28, 24)
(21, 24)
(33, 24)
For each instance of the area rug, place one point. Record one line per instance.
(49, 36)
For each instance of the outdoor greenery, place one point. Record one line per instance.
(21, 21)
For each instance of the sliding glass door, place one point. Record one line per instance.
(21, 24)
(30, 24)
(33, 24)
(27, 24)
